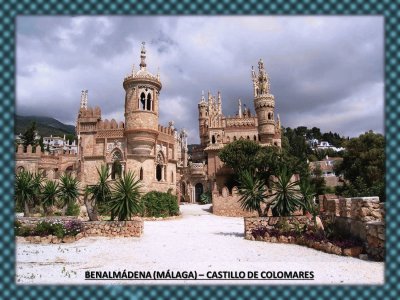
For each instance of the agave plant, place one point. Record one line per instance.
(285, 197)
(125, 200)
(98, 193)
(68, 191)
(49, 194)
(253, 192)
(25, 190)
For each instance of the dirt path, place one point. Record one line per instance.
(198, 241)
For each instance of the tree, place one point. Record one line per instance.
(25, 190)
(49, 194)
(318, 181)
(285, 193)
(68, 191)
(99, 193)
(363, 166)
(241, 155)
(125, 200)
(253, 193)
(29, 137)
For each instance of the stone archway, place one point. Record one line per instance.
(198, 188)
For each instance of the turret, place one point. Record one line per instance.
(141, 108)
(203, 116)
(264, 104)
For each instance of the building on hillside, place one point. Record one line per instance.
(60, 145)
(139, 143)
(217, 130)
(327, 167)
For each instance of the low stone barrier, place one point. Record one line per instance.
(114, 228)
(228, 205)
(376, 240)
(132, 228)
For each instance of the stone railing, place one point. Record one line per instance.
(362, 217)
(226, 204)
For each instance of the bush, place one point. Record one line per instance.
(73, 209)
(158, 204)
(73, 227)
(205, 198)
(44, 228)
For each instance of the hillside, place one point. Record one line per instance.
(46, 126)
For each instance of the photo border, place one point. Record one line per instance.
(10, 9)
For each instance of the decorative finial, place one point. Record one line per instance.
(143, 56)
(133, 69)
(84, 99)
(202, 96)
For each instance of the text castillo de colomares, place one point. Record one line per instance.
(193, 275)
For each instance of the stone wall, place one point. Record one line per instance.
(270, 222)
(362, 217)
(132, 228)
(226, 204)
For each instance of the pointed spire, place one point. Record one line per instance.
(202, 96)
(158, 73)
(209, 97)
(84, 99)
(143, 56)
(240, 108)
(279, 121)
(133, 70)
(219, 103)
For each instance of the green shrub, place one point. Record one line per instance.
(158, 204)
(73, 209)
(49, 228)
(205, 198)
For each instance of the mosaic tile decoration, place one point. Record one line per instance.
(9, 9)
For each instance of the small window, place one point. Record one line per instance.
(213, 139)
(142, 101)
(158, 173)
(141, 174)
(149, 101)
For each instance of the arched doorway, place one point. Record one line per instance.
(198, 188)
(158, 172)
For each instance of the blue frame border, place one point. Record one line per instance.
(9, 9)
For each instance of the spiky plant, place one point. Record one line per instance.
(25, 190)
(253, 191)
(49, 194)
(125, 200)
(285, 195)
(99, 193)
(68, 191)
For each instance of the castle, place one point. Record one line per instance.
(217, 130)
(159, 155)
(155, 153)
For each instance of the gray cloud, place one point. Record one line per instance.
(324, 71)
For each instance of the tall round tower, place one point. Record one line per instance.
(203, 120)
(142, 91)
(264, 104)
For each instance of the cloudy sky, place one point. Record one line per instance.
(324, 71)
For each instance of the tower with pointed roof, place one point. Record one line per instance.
(142, 91)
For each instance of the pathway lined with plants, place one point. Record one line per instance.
(196, 241)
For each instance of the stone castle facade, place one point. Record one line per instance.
(217, 130)
(158, 155)
(155, 153)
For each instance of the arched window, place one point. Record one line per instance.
(234, 138)
(20, 169)
(248, 137)
(148, 101)
(213, 139)
(116, 170)
(255, 138)
(142, 104)
(158, 172)
(141, 174)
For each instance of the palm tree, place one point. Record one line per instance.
(24, 190)
(285, 197)
(50, 193)
(253, 192)
(99, 193)
(125, 200)
(37, 180)
(68, 191)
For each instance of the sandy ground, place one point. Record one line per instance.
(197, 241)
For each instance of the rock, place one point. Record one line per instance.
(79, 236)
(353, 251)
(283, 239)
(55, 240)
(68, 239)
(273, 239)
(36, 239)
(376, 214)
(336, 250)
(363, 256)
